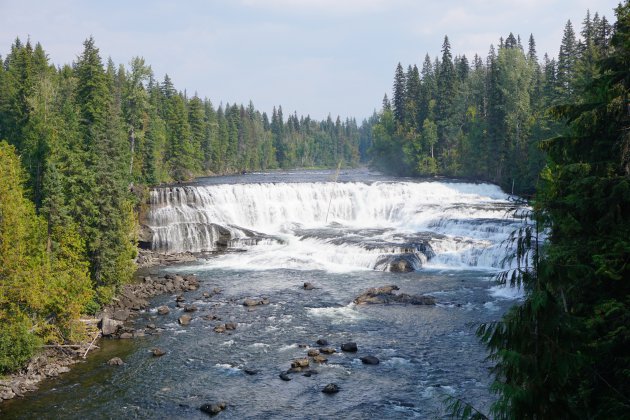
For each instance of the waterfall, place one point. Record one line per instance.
(394, 226)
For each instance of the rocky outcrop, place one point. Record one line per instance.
(249, 302)
(134, 297)
(386, 295)
(109, 326)
(147, 258)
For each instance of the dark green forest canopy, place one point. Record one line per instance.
(484, 118)
(564, 352)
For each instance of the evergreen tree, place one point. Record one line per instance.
(567, 63)
(398, 98)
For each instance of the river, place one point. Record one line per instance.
(268, 234)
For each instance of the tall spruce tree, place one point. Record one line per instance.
(398, 97)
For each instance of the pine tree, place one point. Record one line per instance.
(567, 59)
(398, 98)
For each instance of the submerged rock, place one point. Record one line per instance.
(331, 389)
(115, 361)
(370, 360)
(157, 352)
(284, 377)
(214, 408)
(386, 295)
(349, 347)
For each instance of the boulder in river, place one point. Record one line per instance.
(214, 408)
(320, 359)
(349, 347)
(308, 286)
(370, 360)
(249, 302)
(163, 310)
(313, 352)
(386, 295)
(284, 377)
(327, 350)
(184, 319)
(300, 363)
(230, 325)
(219, 329)
(157, 352)
(322, 342)
(190, 308)
(331, 389)
(109, 326)
(115, 361)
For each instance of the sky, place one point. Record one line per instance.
(313, 57)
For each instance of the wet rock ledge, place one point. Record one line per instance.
(386, 295)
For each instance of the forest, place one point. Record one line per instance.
(483, 119)
(81, 143)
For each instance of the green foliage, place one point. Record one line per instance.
(17, 344)
(44, 281)
(563, 353)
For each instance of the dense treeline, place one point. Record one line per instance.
(564, 352)
(484, 119)
(79, 144)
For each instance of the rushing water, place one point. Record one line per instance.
(342, 237)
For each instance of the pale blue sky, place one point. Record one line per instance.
(311, 56)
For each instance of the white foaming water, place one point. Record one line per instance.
(337, 227)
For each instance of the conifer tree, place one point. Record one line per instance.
(398, 98)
